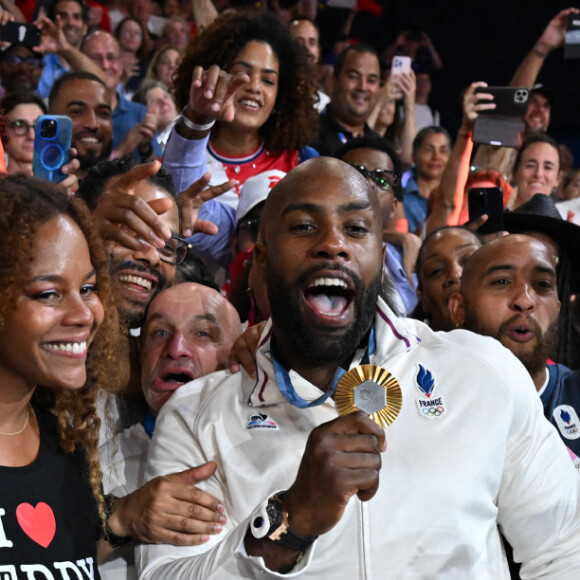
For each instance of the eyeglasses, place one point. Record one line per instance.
(126, 33)
(251, 225)
(382, 178)
(14, 60)
(174, 251)
(20, 127)
(101, 59)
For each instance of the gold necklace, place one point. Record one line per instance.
(20, 430)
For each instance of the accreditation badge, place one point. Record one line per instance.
(372, 390)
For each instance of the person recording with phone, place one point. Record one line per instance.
(537, 117)
(394, 114)
(449, 206)
(21, 111)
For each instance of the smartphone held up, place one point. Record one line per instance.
(400, 65)
(52, 142)
(20, 33)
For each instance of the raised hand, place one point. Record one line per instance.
(211, 95)
(555, 33)
(474, 102)
(191, 200)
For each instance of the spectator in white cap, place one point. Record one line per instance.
(248, 216)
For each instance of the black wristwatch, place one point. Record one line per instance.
(279, 531)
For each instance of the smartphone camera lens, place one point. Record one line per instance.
(48, 129)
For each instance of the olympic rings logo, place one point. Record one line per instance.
(433, 411)
(572, 431)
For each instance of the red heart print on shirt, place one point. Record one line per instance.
(37, 523)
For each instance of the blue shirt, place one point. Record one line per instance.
(414, 203)
(125, 116)
(216, 251)
(561, 401)
(394, 264)
(53, 69)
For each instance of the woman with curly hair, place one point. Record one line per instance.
(246, 74)
(57, 323)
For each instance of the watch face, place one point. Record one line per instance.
(274, 511)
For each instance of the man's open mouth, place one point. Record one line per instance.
(172, 379)
(329, 297)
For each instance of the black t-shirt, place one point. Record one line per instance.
(49, 525)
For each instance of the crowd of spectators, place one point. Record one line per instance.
(255, 167)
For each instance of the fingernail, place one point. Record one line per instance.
(222, 519)
(187, 234)
(203, 538)
(221, 508)
(216, 107)
(208, 94)
(217, 528)
(158, 242)
(166, 232)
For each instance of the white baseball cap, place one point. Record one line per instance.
(255, 190)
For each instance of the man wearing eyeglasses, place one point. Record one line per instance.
(375, 159)
(133, 127)
(20, 68)
(141, 268)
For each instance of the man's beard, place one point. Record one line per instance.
(92, 157)
(322, 344)
(534, 360)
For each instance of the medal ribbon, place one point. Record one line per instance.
(289, 392)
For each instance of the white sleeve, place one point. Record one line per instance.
(539, 497)
(185, 159)
(175, 448)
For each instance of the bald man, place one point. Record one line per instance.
(322, 494)
(188, 333)
(509, 291)
(133, 126)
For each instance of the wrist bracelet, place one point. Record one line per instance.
(195, 126)
(539, 52)
(110, 537)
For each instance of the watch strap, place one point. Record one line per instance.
(281, 533)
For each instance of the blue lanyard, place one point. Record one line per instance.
(287, 388)
(149, 423)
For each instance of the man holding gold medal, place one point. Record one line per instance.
(368, 446)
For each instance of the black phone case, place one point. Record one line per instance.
(486, 200)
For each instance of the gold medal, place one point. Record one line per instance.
(371, 389)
